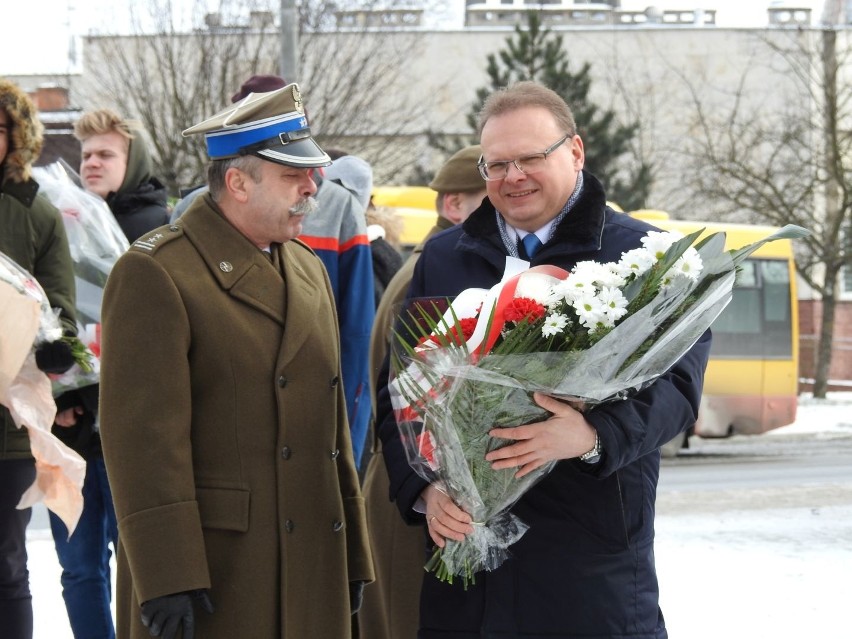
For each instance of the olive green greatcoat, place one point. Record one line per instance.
(225, 434)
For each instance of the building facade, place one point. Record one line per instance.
(663, 69)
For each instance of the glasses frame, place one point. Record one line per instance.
(483, 166)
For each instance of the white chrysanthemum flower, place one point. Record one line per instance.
(567, 292)
(610, 276)
(578, 285)
(560, 291)
(585, 269)
(588, 270)
(600, 274)
(658, 242)
(635, 262)
(554, 324)
(590, 310)
(688, 265)
(554, 300)
(614, 304)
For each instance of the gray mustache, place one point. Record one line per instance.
(305, 207)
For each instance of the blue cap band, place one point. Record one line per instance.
(229, 142)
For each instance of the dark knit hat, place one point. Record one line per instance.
(460, 173)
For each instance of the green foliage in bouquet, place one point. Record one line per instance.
(82, 355)
(459, 423)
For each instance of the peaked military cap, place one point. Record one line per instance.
(270, 125)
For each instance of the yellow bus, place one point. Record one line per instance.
(751, 385)
(412, 197)
(415, 205)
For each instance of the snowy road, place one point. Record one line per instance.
(754, 536)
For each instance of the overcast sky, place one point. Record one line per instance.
(37, 34)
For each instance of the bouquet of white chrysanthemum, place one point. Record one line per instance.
(598, 333)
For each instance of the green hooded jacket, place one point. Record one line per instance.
(31, 233)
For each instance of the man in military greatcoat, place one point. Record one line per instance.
(222, 413)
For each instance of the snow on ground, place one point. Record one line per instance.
(764, 572)
(773, 574)
(768, 573)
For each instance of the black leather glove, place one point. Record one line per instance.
(356, 595)
(54, 357)
(163, 615)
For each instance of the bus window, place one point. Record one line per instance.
(757, 322)
(752, 377)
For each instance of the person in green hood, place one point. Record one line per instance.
(31, 234)
(116, 166)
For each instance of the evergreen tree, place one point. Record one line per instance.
(536, 53)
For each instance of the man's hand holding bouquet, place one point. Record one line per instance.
(482, 390)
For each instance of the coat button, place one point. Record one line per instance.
(282, 381)
(286, 452)
(337, 526)
(174, 228)
(335, 453)
(289, 525)
(334, 381)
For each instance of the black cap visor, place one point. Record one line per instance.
(296, 148)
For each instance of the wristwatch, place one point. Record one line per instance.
(593, 455)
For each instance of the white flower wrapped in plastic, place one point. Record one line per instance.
(27, 320)
(96, 242)
(598, 334)
(49, 326)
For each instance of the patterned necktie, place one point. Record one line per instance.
(530, 244)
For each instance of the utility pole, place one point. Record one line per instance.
(288, 67)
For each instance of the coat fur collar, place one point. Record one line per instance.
(26, 136)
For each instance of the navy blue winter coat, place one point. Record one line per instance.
(585, 568)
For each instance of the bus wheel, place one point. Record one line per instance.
(670, 449)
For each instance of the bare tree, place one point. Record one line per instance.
(786, 163)
(171, 76)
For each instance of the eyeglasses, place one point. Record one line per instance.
(528, 164)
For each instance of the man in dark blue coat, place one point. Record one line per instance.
(585, 568)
